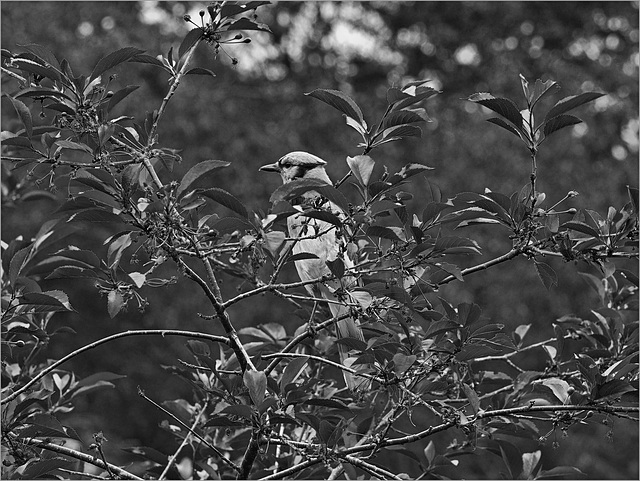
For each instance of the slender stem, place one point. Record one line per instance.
(372, 469)
(172, 90)
(236, 345)
(184, 425)
(146, 332)
(13, 74)
(172, 459)
(515, 252)
(279, 355)
(87, 458)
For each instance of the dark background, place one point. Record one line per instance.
(255, 112)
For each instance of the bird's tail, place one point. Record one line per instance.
(347, 328)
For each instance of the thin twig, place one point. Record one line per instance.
(87, 458)
(172, 459)
(184, 425)
(279, 355)
(145, 332)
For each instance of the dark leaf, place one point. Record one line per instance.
(324, 216)
(547, 275)
(246, 24)
(456, 245)
(43, 53)
(302, 256)
(189, 41)
(391, 233)
(24, 113)
(340, 101)
(113, 59)
(119, 95)
(570, 103)
(292, 370)
(199, 174)
(226, 199)
(42, 92)
(18, 141)
(581, 227)
(49, 301)
(400, 131)
(472, 396)
(504, 107)
(614, 388)
(40, 468)
(148, 59)
(256, 382)
(401, 117)
(540, 89)
(200, 71)
(296, 188)
(69, 144)
(407, 171)
(336, 267)
(35, 67)
(559, 122)
(505, 125)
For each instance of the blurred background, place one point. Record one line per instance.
(254, 112)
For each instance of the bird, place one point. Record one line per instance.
(318, 237)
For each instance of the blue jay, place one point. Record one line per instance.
(319, 238)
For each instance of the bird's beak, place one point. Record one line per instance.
(270, 168)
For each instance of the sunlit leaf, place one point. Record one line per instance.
(570, 103)
(340, 101)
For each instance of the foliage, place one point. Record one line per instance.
(271, 403)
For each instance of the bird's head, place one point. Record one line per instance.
(298, 165)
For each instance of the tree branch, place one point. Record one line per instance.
(87, 458)
(145, 332)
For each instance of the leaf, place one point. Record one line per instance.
(115, 303)
(42, 467)
(296, 188)
(226, 199)
(505, 125)
(43, 53)
(36, 66)
(119, 95)
(472, 396)
(407, 171)
(42, 92)
(24, 113)
(614, 388)
(559, 122)
(200, 71)
(430, 452)
(148, 59)
(49, 301)
(581, 227)
(198, 174)
(292, 370)
(113, 59)
(362, 167)
(246, 24)
(540, 89)
(504, 107)
(340, 101)
(547, 275)
(273, 241)
(256, 382)
(189, 41)
(456, 245)
(391, 233)
(336, 267)
(402, 362)
(401, 117)
(400, 131)
(570, 103)
(324, 216)
(69, 144)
